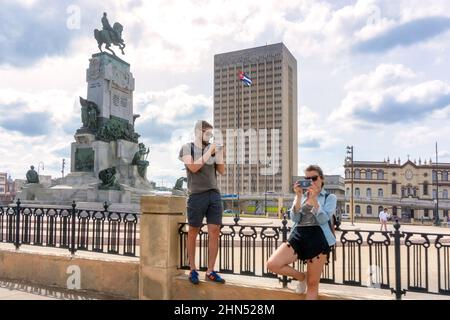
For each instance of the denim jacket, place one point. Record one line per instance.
(323, 215)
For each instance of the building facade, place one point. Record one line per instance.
(407, 189)
(263, 115)
(3, 183)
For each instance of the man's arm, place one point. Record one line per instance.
(195, 166)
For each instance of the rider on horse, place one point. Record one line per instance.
(114, 37)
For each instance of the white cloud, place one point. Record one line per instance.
(387, 95)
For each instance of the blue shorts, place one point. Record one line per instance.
(206, 204)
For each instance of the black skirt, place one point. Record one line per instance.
(309, 242)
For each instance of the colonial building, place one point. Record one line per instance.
(407, 189)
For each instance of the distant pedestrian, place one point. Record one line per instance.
(384, 217)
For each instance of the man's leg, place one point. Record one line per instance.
(191, 245)
(195, 210)
(214, 220)
(213, 246)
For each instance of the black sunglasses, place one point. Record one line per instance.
(313, 178)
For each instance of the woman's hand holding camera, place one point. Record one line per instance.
(298, 190)
(313, 193)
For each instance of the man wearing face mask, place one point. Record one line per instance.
(203, 160)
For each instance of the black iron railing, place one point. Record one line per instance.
(70, 228)
(397, 261)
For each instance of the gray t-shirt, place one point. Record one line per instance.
(204, 179)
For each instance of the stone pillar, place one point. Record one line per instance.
(159, 245)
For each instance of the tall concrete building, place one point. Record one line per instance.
(258, 123)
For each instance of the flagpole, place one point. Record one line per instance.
(238, 143)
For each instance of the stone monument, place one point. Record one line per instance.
(107, 161)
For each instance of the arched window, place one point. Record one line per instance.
(380, 175)
(369, 209)
(368, 193)
(357, 174)
(347, 174)
(368, 174)
(394, 187)
(445, 194)
(425, 188)
(434, 175)
(380, 208)
(358, 209)
(357, 192)
(380, 193)
(445, 176)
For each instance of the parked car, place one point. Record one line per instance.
(345, 216)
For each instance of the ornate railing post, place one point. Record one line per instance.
(284, 231)
(398, 280)
(72, 232)
(17, 238)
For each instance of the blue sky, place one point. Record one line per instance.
(373, 74)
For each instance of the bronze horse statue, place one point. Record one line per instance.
(109, 37)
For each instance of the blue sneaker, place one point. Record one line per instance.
(193, 277)
(215, 277)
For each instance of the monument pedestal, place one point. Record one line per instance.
(29, 191)
(105, 143)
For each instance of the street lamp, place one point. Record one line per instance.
(265, 190)
(349, 158)
(39, 166)
(436, 200)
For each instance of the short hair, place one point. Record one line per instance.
(202, 125)
(385, 208)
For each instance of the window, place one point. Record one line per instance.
(347, 174)
(368, 175)
(369, 209)
(445, 213)
(2, 190)
(380, 208)
(425, 188)
(357, 192)
(394, 187)
(358, 209)
(434, 193)
(445, 176)
(425, 213)
(445, 194)
(357, 174)
(394, 210)
(368, 193)
(434, 175)
(348, 209)
(380, 175)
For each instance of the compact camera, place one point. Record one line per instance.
(304, 184)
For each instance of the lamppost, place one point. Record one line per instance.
(436, 200)
(39, 166)
(63, 166)
(349, 158)
(265, 190)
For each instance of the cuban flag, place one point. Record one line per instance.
(245, 79)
